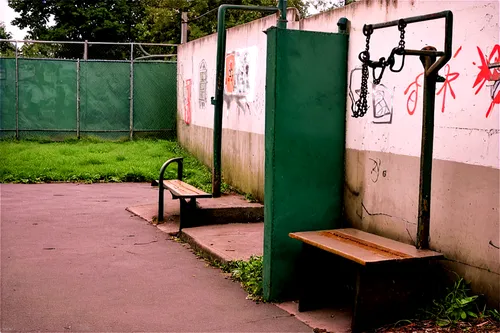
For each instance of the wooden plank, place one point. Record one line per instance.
(351, 248)
(384, 243)
(184, 190)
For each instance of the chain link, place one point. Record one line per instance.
(362, 104)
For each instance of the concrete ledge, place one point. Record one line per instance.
(226, 242)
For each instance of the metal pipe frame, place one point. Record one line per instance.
(131, 100)
(431, 68)
(217, 101)
(161, 188)
(82, 43)
(17, 93)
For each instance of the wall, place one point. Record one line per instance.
(244, 102)
(383, 148)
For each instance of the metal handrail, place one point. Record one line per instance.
(179, 161)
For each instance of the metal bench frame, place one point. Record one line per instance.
(187, 208)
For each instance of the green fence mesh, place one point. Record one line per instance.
(47, 90)
(154, 86)
(88, 98)
(104, 96)
(7, 97)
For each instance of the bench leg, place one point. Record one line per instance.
(388, 293)
(188, 209)
(322, 279)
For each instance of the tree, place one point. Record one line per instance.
(129, 21)
(6, 48)
(80, 20)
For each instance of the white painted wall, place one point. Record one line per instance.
(463, 132)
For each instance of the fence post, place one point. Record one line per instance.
(85, 50)
(78, 98)
(184, 27)
(17, 93)
(131, 91)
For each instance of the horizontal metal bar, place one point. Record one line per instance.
(424, 53)
(55, 59)
(40, 41)
(157, 56)
(414, 19)
(156, 44)
(78, 42)
(84, 131)
(494, 65)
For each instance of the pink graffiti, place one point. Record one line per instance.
(187, 103)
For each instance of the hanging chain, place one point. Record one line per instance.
(362, 103)
(364, 57)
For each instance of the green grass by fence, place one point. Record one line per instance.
(93, 160)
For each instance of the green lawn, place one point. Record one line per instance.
(96, 161)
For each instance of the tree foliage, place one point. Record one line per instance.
(6, 49)
(130, 20)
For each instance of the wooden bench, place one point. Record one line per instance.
(179, 190)
(382, 278)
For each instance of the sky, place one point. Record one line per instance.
(7, 14)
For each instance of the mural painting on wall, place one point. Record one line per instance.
(239, 78)
(203, 84)
(489, 75)
(381, 95)
(412, 101)
(187, 102)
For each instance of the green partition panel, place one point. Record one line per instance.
(155, 96)
(7, 97)
(104, 97)
(305, 143)
(47, 90)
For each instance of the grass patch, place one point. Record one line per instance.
(92, 160)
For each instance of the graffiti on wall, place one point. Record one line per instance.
(239, 78)
(187, 102)
(445, 89)
(382, 100)
(238, 72)
(202, 89)
(381, 96)
(488, 75)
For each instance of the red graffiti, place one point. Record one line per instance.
(450, 77)
(486, 74)
(187, 103)
(413, 97)
(411, 103)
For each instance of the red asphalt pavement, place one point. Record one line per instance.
(74, 260)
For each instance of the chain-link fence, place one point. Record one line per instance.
(79, 89)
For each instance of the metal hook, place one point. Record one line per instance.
(376, 79)
(396, 51)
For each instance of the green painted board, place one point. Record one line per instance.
(304, 145)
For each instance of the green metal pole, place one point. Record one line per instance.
(217, 101)
(424, 198)
(282, 5)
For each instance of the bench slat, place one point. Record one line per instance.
(360, 247)
(383, 243)
(184, 190)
